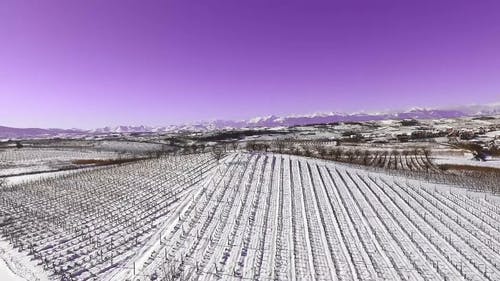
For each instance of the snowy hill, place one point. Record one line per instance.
(9, 132)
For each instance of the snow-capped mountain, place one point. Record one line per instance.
(128, 129)
(13, 133)
(267, 121)
(487, 109)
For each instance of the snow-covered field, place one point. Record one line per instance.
(251, 216)
(27, 160)
(28, 155)
(7, 274)
(88, 224)
(279, 217)
(492, 163)
(17, 266)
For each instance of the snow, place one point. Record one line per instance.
(129, 146)
(227, 236)
(7, 274)
(261, 216)
(493, 134)
(160, 181)
(45, 175)
(493, 163)
(15, 266)
(27, 160)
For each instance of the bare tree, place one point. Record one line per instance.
(234, 145)
(280, 145)
(194, 148)
(350, 156)
(357, 154)
(202, 147)
(405, 154)
(426, 152)
(366, 156)
(321, 149)
(396, 154)
(251, 146)
(307, 151)
(217, 152)
(336, 153)
(383, 162)
(265, 147)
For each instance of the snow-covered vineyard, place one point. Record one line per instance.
(253, 217)
(28, 160)
(37, 154)
(84, 225)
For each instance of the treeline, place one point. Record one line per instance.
(478, 149)
(412, 163)
(411, 159)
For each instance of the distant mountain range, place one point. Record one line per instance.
(268, 121)
(19, 133)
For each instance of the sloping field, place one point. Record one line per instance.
(89, 225)
(252, 217)
(273, 217)
(26, 160)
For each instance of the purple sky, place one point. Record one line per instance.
(96, 63)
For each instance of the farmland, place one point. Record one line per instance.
(32, 160)
(257, 216)
(283, 217)
(81, 225)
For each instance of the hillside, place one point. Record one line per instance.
(251, 216)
